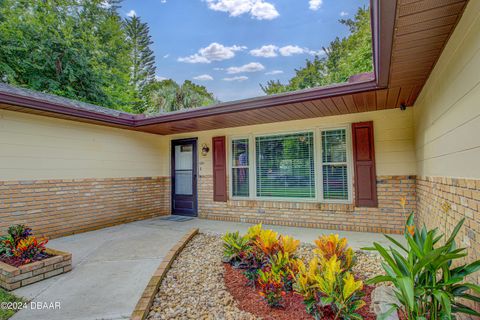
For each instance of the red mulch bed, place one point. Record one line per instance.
(17, 262)
(249, 300)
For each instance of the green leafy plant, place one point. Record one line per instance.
(269, 260)
(328, 282)
(271, 286)
(7, 245)
(235, 248)
(29, 248)
(428, 283)
(21, 245)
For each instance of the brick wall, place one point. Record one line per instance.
(443, 202)
(387, 218)
(60, 207)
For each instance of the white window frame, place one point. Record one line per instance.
(251, 183)
(317, 158)
(349, 162)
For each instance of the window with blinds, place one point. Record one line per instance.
(334, 165)
(240, 168)
(285, 166)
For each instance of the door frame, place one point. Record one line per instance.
(194, 142)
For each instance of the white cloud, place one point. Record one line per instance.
(291, 50)
(315, 4)
(264, 11)
(249, 67)
(218, 69)
(214, 52)
(131, 13)
(238, 78)
(196, 58)
(166, 56)
(273, 72)
(258, 9)
(343, 14)
(268, 51)
(160, 78)
(203, 77)
(163, 1)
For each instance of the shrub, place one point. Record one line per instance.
(7, 245)
(235, 248)
(426, 282)
(330, 245)
(267, 242)
(29, 248)
(21, 244)
(328, 282)
(269, 260)
(271, 287)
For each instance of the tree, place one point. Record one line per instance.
(83, 50)
(72, 48)
(344, 58)
(142, 58)
(167, 95)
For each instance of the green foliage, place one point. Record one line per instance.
(235, 247)
(328, 281)
(269, 260)
(167, 95)
(20, 244)
(344, 57)
(83, 50)
(426, 281)
(142, 60)
(7, 245)
(8, 297)
(271, 287)
(72, 48)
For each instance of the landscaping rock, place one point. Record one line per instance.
(194, 287)
(383, 297)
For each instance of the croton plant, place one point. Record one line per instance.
(271, 264)
(19, 246)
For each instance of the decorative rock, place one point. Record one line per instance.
(194, 287)
(383, 298)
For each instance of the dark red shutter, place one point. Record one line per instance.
(219, 169)
(364, 163)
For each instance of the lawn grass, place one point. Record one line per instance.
(7, 297)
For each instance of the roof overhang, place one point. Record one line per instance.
(407, 39)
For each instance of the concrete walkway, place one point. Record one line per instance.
(112, 266)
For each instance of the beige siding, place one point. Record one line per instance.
(394, 146)
(447, 113)
(35, 147)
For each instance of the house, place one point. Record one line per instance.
(337, 157)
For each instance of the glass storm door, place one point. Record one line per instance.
(184, 177)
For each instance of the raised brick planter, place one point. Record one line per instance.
(12, 278)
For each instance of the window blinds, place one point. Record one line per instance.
(285, 166)
(334, 165)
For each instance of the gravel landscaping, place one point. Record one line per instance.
(194, 287)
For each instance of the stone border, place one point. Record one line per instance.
(12, 278)
(145, 303)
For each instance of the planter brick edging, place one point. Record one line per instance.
(145, 303)
(12, 278)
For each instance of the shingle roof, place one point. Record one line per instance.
(57, 100)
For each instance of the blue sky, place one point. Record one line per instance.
(231, 46)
